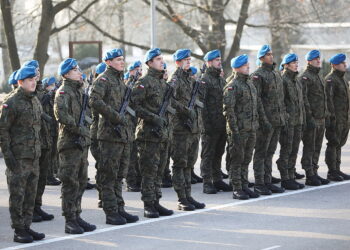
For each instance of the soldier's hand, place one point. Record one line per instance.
(236, 139)
(267, 127)
(10, 161)
(310, 123)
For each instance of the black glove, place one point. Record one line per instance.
(236, 139)
(10, 161)
(310, 123)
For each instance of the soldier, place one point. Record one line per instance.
(73, 142)
(315, 102)
(12, 80)
(133, 178)
(185, 132)
(214, 124)
(291, 135)
(94, 148)
(338, 101)
(106, 99)
(269, 86)
(152, 133)
(45, 157)
(20, 123)
(241, 112)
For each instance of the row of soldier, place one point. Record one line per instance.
(143, 121)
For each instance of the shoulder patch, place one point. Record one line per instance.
(103, 79)
(61, 92)
(5, 106)
(140, 86)
(329, 80)
(305, 78)
(255, 77)
(230, 88)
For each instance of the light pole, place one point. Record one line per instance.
(153, 24)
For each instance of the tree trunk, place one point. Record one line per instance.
(6, 63)
(217, 39)
(10, 34)
(121, 24)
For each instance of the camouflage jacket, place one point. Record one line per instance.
(338, 97)
(46, 138)
(269, 86)
(147, 98)
(184, 85)
(240, 105)
(293, 98)
(106, 99)
(314, 92)
(20, 124)
(212, 98)
(94, 124)
(67, 108)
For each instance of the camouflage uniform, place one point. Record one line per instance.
(134, 176)
(338, 100)
(147, 97)
(269, 86)
(185, 140)
(73, 161)
(214, 135)
(106, 98)
(241, 112)
(315, 102)
(291, 136)
(20, 124)
(94, 148)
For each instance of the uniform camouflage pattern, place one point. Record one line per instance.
(20, 124)
(338, 100)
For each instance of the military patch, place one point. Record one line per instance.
(230, 88)
(141, 86)
(255, 77)
(202, 82)
(329, 80)
(61, 92)
(305, 78)
(5, 106)
(103, 79)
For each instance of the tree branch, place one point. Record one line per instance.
(61, 5)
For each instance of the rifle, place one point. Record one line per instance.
(165, 104)
(82, 116)
(193, 101)
(125, 105)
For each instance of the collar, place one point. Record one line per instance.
(268, 67)
(114, 72)
(290, 74)
(155, 73)
(24, 93)
(338, 73)
(73, 83)
(241, 76)
(214, 71)
(313, 69)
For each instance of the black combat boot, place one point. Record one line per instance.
(35, 235)
(87, 227)
(43, 214)
(129, 217)
(275, 180)
(251, 193)
(342, 174)
(334, 176)
(312, 180)
(208, 188)
(221, 185)
(224, 176)
(323, 180)
(114, 218)
(251, 184)
(196, 177)
(133, 188)
(52, 181)
(299, 176)
(72, 227)
(289, 184)
(193, 180)
(36, 217)
(196, 204)
(261, 189)
(162, 210)
(22, 236)
(185, 205)
(240, 195)
(89, 185)
(300, 186)
(274, 188)
(149, 210)
(99, 204)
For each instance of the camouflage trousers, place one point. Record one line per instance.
(73, 174)
(184, 155)
(113, 167)
(312, 140)
(241, 156)
(265, 147)
(213, 147)
(134, 176)
(22, 184)
(95, 151)
(53, 166)
(152, 160)
(289, 141)
(336, 140)
(167, 171)
(44, 165)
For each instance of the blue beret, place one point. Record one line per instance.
(66, 66)
(211, 55)
(181, 54)
(126, 76)
(12, 78)
(312, 55)
(100, 68)
(134, 65)
(263, 51)
(152, 53)
(288, 58)
(33, 63)
(48, 81)
(26, 72)
(193, 70)
(239, 61)
(113, 53)
(337, 59)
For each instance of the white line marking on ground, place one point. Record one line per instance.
(178, 215)
(270, 248)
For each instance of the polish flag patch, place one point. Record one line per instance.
(255, 77)
(329, 80)
(230, 88)
(61, 92)
(141, 86)
(5, 106)
(103, 79)
(305, 78)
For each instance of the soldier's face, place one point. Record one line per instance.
(157, 63)
(341, 67)
(28, 84)
(267, 58)
(185, 63)
(117, 63)
(315, 62)
(215, 63)
(293, 66)
(133, 72)
(74, 74)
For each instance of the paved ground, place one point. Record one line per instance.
(312, 218)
